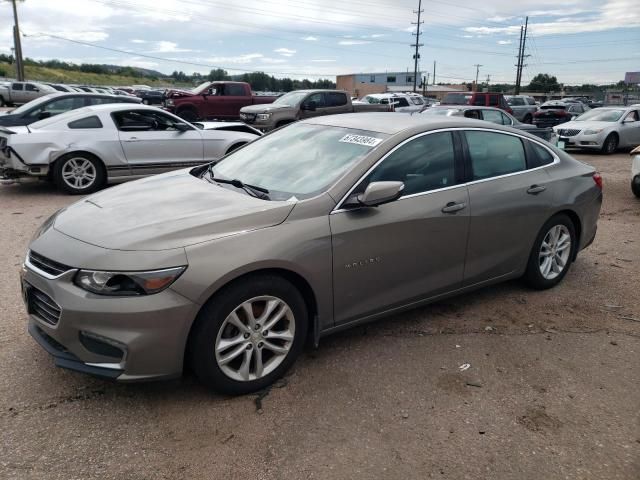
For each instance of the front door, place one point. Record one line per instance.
(630, 129)
(319, 99)
(152, 144)
(407, 250)
(509, 202)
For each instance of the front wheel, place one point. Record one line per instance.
(552, 253)
(635, 186)
(79, 174)
(610, 144)
(248, 334)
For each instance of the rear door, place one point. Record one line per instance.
(510, 198)
(31, 92)
(17, 93)
(152, 144)
(232, 100)
(337, 102)
(406, 250)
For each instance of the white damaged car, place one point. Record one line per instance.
(81, 150)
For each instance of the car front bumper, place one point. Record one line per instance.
(580, 140)
(122, 338)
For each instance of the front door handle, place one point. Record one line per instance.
(453, 207)
(132, 139)
(535, 189)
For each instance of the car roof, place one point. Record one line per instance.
(381, 122)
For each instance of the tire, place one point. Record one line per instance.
(537, 275)
(188, 114)
(2, 102)
(79, 174)
(635, 186)
(207, 347)
(145, 102)
(235, 147)
(528, 118)
(610, 144)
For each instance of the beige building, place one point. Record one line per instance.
(362, 84)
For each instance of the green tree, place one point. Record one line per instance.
(543, 82)
(218, 74)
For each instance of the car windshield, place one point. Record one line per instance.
(28, 106)
(601, 115)
(200, 88)
(441, 111)
(290, 99)
(301, 160)
(457, 98)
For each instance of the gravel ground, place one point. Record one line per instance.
(552, 391)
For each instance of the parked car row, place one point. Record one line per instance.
(19, 93)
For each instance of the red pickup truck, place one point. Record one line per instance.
(213, 100)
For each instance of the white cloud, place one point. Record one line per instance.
(499, 19)
(353, 42)
(164, 46)
(557, 12)
(504, 42)
(285, 52)
(310, 38)
(240, 59)
(323, 60)
(137, 40)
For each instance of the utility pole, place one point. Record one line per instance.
(477, 65)
(488, 80)
(425, 83)
(17, 44)
(521, 54)
(434, 72)
(416, 55)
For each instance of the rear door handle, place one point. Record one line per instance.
(453, 207)
(535, 189)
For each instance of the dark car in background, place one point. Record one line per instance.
(56, 103)
(555, 112)
(151, 97)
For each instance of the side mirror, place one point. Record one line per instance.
(43, 115)
(377, 193)
(181, 127)
(36, 89)
(629, 120)
(311, 106)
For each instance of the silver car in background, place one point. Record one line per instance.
(82, 149)
(605, 129)
(523, 107)
(325, 224)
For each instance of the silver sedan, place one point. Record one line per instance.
(605, 129)
(326, 224)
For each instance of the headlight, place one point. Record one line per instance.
(263, 116)
(127, 283)
(169, 102)
(592, 132)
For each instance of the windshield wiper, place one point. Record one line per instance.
(254, 191)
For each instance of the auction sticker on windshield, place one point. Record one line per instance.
(361, 140)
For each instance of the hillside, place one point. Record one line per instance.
(44, 74)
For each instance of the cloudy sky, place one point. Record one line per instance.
(576, 40)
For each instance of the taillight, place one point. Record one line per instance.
(598, 179)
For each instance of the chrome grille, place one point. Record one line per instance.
(46, 265)
(42, 305)
(568, 132)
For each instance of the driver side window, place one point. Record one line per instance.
(144, 121)
(424, 164)
(318, 98)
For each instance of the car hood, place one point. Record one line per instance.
(587, 124)
(167, 211)
(264, 108)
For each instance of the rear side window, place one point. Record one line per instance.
(494, 154)
(424, 164)
(457, 99)
(538, 155)
(335, 99)
(88, 122)
(515, 101)
(479, 100)
(494, 100)
(492, 116)
(531, 100)
(17, 86)
(232, 90)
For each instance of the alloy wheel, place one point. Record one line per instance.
(79, 173)
(554, 252)
(255, 338)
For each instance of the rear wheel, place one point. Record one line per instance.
(79, 174)
(552, 253)
(248, 335)
(610, 144)
(635, 186)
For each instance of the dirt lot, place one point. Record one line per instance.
(552, 392)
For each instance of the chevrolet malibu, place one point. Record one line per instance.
(233, 266)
